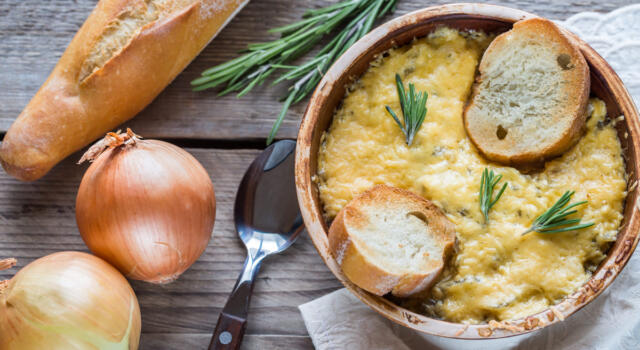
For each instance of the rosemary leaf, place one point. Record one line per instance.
(353, 19)
(488, 182)
(553, 220)
(414, 109)
(307, 76)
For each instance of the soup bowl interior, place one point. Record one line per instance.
(605, 84)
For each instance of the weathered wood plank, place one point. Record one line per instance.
(33, 35)
(38, 219)
(200, 341)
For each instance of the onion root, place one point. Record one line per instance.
(6, 264)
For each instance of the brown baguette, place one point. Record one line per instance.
(391, 240)
(530, 98)
(122, 57)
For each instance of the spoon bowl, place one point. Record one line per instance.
(266, 208)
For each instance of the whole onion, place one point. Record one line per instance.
(145, 206)
(68, 300)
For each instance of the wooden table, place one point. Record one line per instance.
(225, 134)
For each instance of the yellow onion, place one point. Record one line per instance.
(145, 206)
(68, 300)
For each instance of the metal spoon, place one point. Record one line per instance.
(268, 221)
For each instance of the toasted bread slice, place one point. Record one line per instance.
(530, 97)
(391, 240)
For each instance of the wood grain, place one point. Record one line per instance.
(33, 35)
(195, 340)
(38, 219)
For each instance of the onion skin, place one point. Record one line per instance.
(69, 300)
(148, 208)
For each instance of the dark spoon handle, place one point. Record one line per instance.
(228, 333)
(233, 318)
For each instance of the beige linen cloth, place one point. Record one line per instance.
(612, 321)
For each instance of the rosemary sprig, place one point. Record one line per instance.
(414, 109)
(488, 182)
(260, 60)
(555, 217)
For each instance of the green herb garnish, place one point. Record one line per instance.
(555, 217)
(354, 17)
(488, 182)
(414, 109)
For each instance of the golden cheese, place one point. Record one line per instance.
(497, 273)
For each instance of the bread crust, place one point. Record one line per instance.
(67, 112)
(369, 275)
(577, 89)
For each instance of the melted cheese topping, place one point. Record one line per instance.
(497, 273)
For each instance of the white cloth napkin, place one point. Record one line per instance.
(612, 321)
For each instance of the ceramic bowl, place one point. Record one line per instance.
(605, 84)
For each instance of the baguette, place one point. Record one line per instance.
(122, 57)
(391, 240)
(529, 101)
